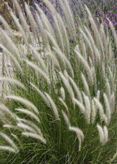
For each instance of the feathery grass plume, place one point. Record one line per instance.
(69, 17)
(52, 39)
(10, 126)
(89, 36)
(42, 33)
(10, 44)
(7, 148)
(86, 66)
(16, 20)
(45, 21)
(53, 57)
(110, 51)
(93, 112)
(66, 119)
(66, 75)
(32, 21)
(108, 110)
(95, 78)
(39, 58)
(55, 110)
(98, 94)
(97, 55)
(13, 81)
(79, 133)
(112, 102)
(65, 36)
(108, 88)
(56, 23)
(81, 106)
(77, 48)
(34, 126)
(103, 71)
(95, 30)
(62, 92)
(67, 85)
(111, 79)
(5, 109)
(90, 63)
(50, 7)
(105, 119)
(101, 110)
(35, 136)
(86, 86)
(6, 25)
(12, 57)
(113, 31)
(64, 104)
(87, 108)
(103, 133)
(59, 34)
(31, 114)
(36, 68)
(9, 141)
(41, 94)
(23, 101)
(64, 59)
(4, 118)
(103, 34)
(79, 96)
(88, 43)
(22, 18)
(26, 127)
(83, 48)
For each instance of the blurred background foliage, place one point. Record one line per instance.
(4, 9)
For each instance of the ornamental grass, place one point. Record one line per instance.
(59, 105)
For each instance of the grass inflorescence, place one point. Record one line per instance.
(61, 103)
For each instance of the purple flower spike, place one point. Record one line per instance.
(109, 12)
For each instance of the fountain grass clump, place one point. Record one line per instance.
(61, 102)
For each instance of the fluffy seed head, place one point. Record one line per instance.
(28, 113)
(55, 110)
(78, 131)
(101, 133)
(7, 148)
(81, 106)
(66, 118)
(66, 83)
(35, 136)
(62, 91)
(24, 101)
(99, 105)
(26, 127)
(9, 141)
